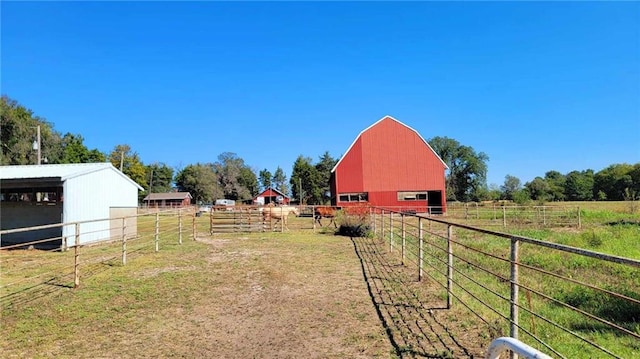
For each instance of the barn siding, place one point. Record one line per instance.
(90, 197)
(386, 158)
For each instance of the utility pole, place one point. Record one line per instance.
(121, 160)
(37, 145)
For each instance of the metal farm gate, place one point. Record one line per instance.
(235, 219)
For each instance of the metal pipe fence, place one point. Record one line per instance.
(31, 268)
(565, 301)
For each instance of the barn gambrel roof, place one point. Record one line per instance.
(377, 122)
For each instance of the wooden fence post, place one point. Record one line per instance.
(124, 240)
(194, 225)
(420, 249)
(579, 219)
(180, 225)
(76, 259)
(156, 238)
(504, 217)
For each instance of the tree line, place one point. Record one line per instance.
(230, 177)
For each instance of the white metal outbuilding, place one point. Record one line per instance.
(63, 193)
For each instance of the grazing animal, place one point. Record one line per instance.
(279, 213)
(325, 212)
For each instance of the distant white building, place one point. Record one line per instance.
(48, 194)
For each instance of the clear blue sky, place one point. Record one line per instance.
(537, 86)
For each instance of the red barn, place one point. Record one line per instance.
(271, 195)
(390, 165)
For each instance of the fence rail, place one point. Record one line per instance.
(24, 279)
(564, 299)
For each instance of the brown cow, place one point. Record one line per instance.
(325, 212)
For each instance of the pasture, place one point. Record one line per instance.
(301, 293)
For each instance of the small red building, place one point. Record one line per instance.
(170, 199)
(271, 195)
(390, 165)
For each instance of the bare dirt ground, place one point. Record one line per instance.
(254, 296)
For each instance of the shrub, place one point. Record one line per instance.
(353, 221)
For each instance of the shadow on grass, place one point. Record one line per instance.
(410, 324)
(57, 283)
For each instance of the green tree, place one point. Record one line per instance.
(237, 180)
(18, 131)
(511, 185)
(467, 175)
(122, 157)
(305, 178)
(615, 179)
(265, 179)
(579, 185)
(556, 181)
(280, 181)
(74, 151)
(201, 181)
(160, 178)
(539, 189)
(324, 168)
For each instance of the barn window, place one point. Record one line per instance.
(354, 197)
(412, 196)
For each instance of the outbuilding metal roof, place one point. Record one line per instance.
(167, 195)
(62, 171)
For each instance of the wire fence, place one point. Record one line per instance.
(500, 215)
(562, 300)
(61, 261)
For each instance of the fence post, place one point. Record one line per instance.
(504, 217)
(382, 224)
(421, 249)
(390, 231)
(515, 243)
(313, 217)
(157, 231)
(194, 224)
(124, 240)
(579, 219)
(372, 214)
(180, 225)
(449, 266)
(76, 259)
(404, 236)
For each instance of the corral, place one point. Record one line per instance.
(306, 294)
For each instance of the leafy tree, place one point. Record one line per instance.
(18, 132)
(160, 178)
(201, 181)
(249, 180)
(511, 185)
(579, 185)
(237, 180)
(613, 181)
(265, 179)
(122, 157)
(539, 189)
(467, 175)
(555, 181)
(74, 151)
(280, 181)
(305, 175)
(324, 168)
